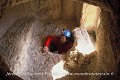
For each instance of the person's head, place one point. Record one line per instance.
(66, 34)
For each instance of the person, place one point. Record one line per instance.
(60, 43)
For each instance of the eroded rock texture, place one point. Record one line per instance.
(21, 47)
(107, 40)
(24, 25)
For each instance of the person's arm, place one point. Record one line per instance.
(48, 41)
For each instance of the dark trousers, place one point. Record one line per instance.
(52, 47)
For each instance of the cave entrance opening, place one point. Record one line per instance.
(89, 22)
(90, 17)
(87, 34)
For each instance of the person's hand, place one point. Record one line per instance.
(45, 49)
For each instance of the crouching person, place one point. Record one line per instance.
(60, 43)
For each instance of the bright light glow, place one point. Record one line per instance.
(58, 71)
(90, 16)
(90, 20)
(84, 44)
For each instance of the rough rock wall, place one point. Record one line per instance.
(12, 10)
(107, 44)
(104, 42)
(21, 48)
(16, 10)
(22, 37)
(66, 9)
(110, 30)
(13, 13)
(113, 7)
(71, 10)
(4, 4)
(106, 61)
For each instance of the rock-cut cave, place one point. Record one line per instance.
(25, 24)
